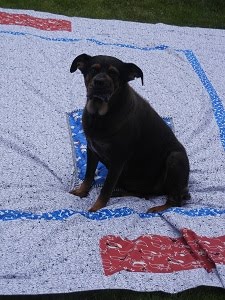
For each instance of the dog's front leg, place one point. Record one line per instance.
(111, 180)
(85, 186)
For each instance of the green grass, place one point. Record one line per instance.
(200, 13)
(203, 293)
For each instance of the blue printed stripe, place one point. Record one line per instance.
(105, 214)
(17, 33)
(94, 41)
(218, 109)
(100, 43)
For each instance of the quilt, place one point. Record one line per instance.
(49, 242)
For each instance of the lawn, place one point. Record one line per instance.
(200, 13)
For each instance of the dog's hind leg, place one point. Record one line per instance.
(175, 184)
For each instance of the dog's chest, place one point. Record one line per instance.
(101, 148)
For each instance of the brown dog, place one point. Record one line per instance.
(123, 131)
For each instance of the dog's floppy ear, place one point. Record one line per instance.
(132, 71)
(80, 63)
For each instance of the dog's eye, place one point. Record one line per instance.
(94, 71)
(113, 72)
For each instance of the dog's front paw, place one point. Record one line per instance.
(82, 190)
(79, 192)
(158, 209)
(98, 205)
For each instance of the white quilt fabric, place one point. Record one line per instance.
(49, 243)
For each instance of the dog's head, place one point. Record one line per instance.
(104, 76)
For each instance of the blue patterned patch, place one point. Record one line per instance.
(80, 147)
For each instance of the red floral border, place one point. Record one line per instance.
(39, 23)
(161, 254)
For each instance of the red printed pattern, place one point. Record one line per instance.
(161, 254)
(26, 20)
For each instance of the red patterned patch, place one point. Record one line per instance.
(39, 23)
(161, 254)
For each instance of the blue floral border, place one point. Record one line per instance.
(105, 214)
(218, 110)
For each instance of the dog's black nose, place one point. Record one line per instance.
(99, 82)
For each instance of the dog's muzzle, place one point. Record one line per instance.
(100, 89)
(99, 98)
